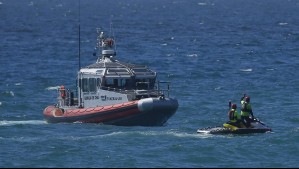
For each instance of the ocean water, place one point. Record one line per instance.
(212, 51)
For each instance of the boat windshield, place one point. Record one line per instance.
(89, 84)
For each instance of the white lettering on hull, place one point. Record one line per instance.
(105, 98)
(91, 98)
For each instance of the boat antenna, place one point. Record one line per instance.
(79, 54)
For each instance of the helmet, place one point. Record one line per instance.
(234, 106)
(247, 99)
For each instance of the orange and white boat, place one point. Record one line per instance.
(113, 92)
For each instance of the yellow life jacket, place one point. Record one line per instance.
(245, 109)
(235, 115)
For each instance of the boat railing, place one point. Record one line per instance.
(70, 99)
(164, 87)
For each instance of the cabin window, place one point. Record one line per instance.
(145, 83)
(152, 83)
(115, 82)
(118, 83)
(111, 82)
(98, 82)
(124, 83)
(85, 85)
(142, 84)
(90, 84)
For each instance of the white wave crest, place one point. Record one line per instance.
(283, 23)
(246, 70)
(53, 88)
(12, 93)
(12, 123)
(218, 88)
(201, 3)
(192, 55)
(159, 133)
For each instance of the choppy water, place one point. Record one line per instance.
(212, 51)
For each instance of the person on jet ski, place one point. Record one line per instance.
(246, 110)
(234, 117)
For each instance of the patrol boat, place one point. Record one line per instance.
(113, 92)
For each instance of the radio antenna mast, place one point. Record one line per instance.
(79, 52)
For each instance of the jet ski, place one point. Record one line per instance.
(256, 127)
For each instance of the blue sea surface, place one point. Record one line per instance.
(212, 51)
